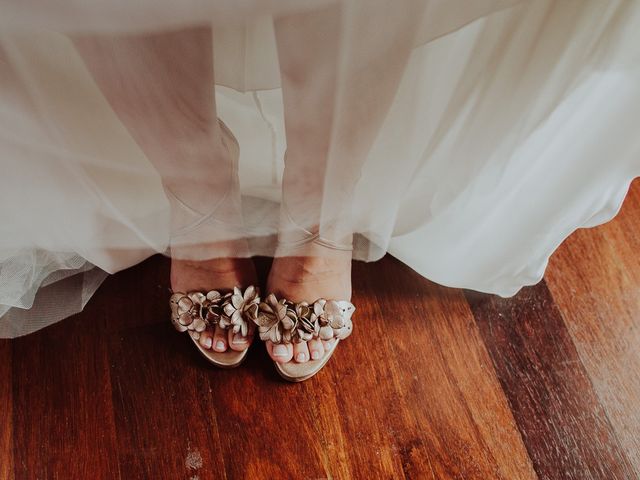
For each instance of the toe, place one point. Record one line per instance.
(301, 352)
(220, 340)
(316, 349)
(328, 344)
(237, 341)
(281, 353)
(206, 339)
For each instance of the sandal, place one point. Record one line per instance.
(282, 322)
(196, 312)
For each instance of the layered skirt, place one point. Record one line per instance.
(504, 126)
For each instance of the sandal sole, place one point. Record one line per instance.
(299, 372)
(227, 359)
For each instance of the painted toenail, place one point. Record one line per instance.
(315, 354)
(280, 351)
(301, 357)
(219, 345)
(238, 338)
(208, 342)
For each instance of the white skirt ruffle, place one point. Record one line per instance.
(514, 124)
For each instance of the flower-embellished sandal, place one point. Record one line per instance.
(195, 312)
(283, 321)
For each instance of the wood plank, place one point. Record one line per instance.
(368, 415)
(418, 367)
(163, 404)
(6, 411)
(371, 413)
(595, 281)
(241, 423)
(163, 400)
(563, 424)
(64, 427)
(271, 429)
(136, 297)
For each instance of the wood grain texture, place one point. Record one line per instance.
(448, 417)
(6, 411)
(63, 416)
(563, 424)
(163, 403)
(247, 423)
(595, 281)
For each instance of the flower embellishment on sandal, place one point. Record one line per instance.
(239, 308)
(231, 310)
(283, 321)
(196, 311)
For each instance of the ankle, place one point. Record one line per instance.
(213, 265)
(216, 274)
(308, 278)
(311, 266)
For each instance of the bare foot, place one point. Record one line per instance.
(215, 274)
(307, 278)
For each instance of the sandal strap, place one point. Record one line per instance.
(284, 321)
(196, 311)
(306, 236)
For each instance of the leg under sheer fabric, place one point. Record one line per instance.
(330, 126)
(333, 110)
(161, 87)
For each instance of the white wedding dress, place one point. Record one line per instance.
(514, 123)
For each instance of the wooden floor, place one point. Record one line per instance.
(442, 384)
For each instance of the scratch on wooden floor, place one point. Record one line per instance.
(193, 460)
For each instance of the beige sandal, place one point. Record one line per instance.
(283, 322)
(195, 312)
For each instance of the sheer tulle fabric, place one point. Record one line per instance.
(466, 140)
